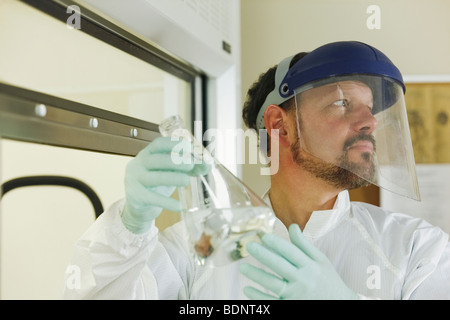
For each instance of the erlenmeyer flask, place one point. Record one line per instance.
(220, 212)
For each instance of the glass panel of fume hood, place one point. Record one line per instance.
(40, 53)
(40, 224)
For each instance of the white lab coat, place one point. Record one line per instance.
(378, 254)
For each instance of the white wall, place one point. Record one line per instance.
(413, 33)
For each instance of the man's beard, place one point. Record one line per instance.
(344, 175)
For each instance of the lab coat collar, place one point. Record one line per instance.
(321, 221)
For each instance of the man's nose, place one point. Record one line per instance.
(364, 121)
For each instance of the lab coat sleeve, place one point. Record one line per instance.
(437, 285)
(110, 262)
(428, 271)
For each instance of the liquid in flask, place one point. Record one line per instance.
(220, 212)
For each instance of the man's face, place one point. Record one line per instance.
(335, 140)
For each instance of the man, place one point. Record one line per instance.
(336, 117)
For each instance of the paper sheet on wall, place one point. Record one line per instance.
(434, 184)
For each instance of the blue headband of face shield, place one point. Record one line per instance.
(329, 61)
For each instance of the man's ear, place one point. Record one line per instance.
(275, 121)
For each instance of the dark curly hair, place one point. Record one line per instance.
(258, 92)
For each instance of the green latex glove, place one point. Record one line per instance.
(150, 179)
(303, 271)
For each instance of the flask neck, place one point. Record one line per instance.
(171, 125)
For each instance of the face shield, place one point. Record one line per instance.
(350, 118)
(353, 131)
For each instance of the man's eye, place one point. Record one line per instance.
(341, 103)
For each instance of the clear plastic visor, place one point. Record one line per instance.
(353, 131)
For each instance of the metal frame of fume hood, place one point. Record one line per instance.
(32, 116)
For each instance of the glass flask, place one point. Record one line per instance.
(220, 212)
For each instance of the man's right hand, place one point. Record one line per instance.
(150, 179)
